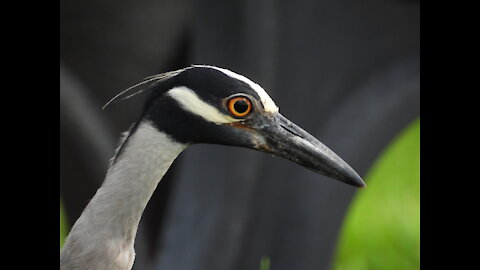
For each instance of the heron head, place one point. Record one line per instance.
(206, 104)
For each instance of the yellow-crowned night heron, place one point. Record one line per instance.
(198, 104)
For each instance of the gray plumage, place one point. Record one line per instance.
(103, 236)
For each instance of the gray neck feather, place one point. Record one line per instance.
(113, 215)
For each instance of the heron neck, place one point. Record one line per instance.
(118, 205)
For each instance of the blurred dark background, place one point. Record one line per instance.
(346, 71)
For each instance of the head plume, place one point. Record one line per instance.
(147, 83)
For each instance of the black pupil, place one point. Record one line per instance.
(240, 106)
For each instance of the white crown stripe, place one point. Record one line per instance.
(268, 104)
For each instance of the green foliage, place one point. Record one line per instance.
(265, 263)
(63, 225)
(382, 228)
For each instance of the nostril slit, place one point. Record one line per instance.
(291, 131)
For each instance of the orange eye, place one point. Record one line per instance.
(239, 106)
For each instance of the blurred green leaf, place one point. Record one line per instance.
(63, 225)
(265, 263)
(382, 228)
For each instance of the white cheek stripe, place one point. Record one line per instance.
(189, 101)
(267, 101)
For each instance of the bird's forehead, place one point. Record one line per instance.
(267, 102)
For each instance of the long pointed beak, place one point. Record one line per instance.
(285, 139)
